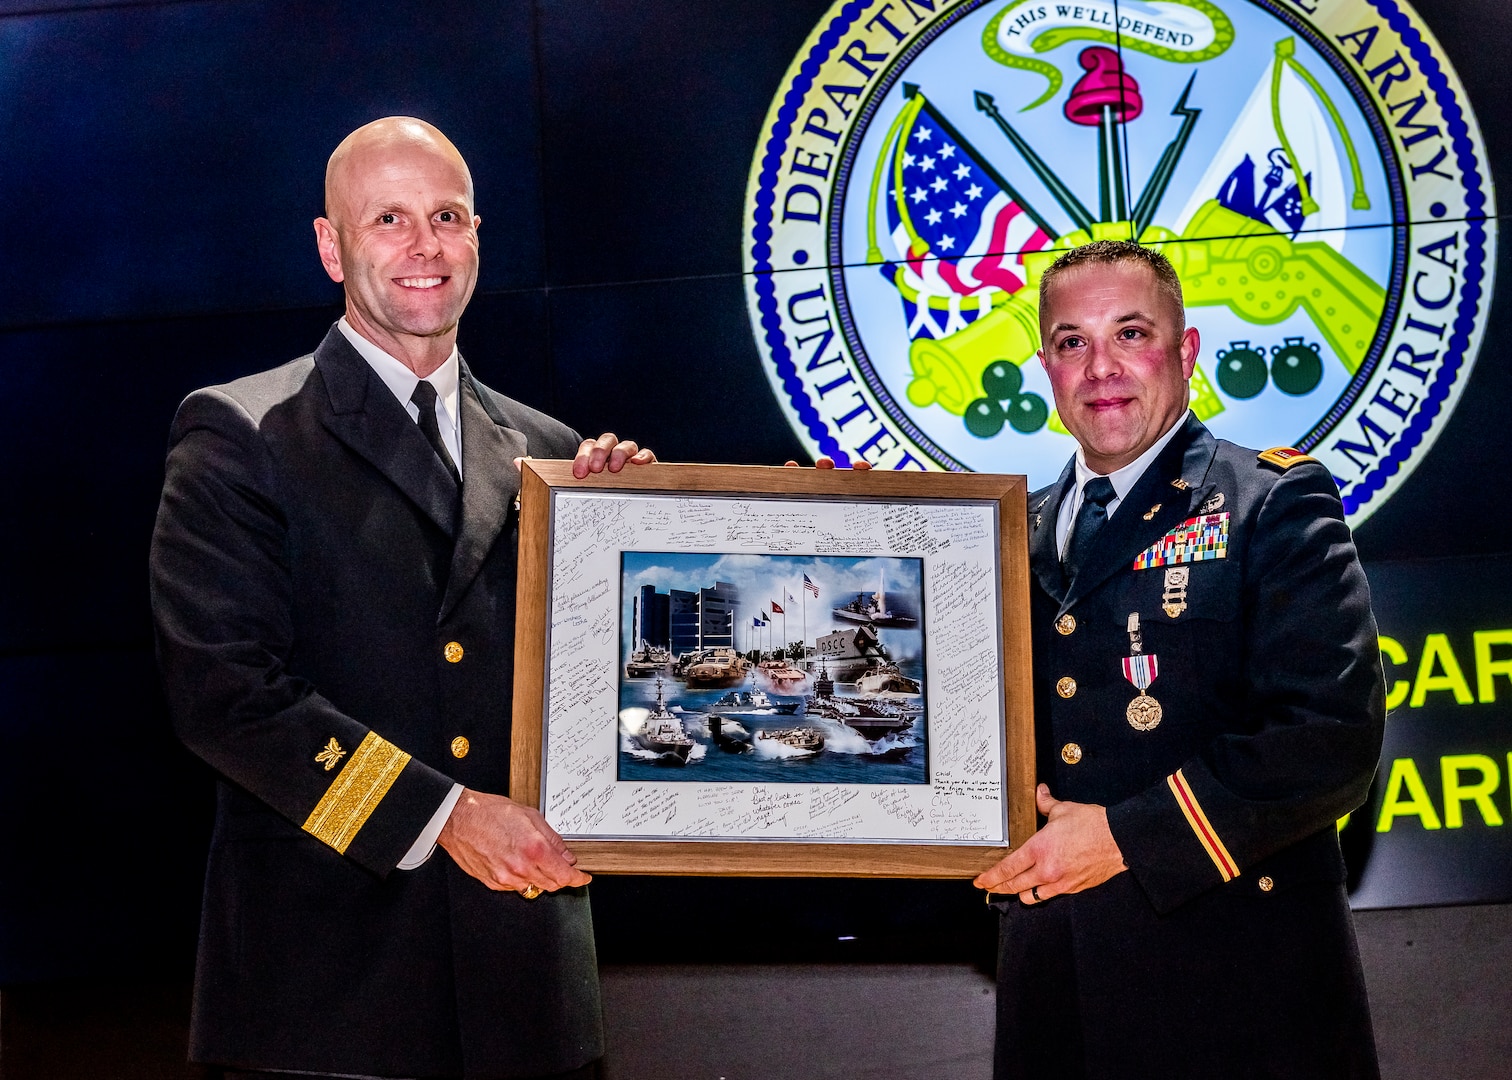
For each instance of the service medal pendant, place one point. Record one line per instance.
(1144, 713)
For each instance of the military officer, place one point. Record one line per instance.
(1208, 703)
(333, 584)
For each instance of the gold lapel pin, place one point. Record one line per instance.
(1152, 512)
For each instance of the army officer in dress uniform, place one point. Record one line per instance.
(1208, 703)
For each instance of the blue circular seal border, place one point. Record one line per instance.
(1475, 258)
(761, 231)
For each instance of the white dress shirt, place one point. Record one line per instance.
(447, 379)
(1123, 480)
(402, 381)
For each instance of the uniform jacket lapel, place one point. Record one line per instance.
(1044, 556)
(490, 483)
(1135, 524)
(374, 425)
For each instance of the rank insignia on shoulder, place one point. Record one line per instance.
(1284, 457)
(1196, 539)
(331, 755)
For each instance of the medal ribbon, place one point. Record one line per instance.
(1141, 670)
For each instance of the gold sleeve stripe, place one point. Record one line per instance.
(1206, 835)
(356, 792)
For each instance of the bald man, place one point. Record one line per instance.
(333, 583)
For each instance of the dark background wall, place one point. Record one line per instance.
(161, 164)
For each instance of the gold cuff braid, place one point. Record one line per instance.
(356, 792)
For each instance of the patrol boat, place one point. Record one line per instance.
(810, 740)
(663, 733)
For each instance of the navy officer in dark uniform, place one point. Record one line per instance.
(333, 583)
(1208, 703)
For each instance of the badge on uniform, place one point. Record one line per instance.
(330, 754)
(1196, 539)
(1173, 599)
(1144, 711)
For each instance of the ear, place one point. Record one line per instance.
(1191, 342)
(1043, 362)
(329, 246)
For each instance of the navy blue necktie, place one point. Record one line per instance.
(424, 398)
(1089, 522)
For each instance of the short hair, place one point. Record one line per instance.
(1108, 252)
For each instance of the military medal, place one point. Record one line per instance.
(1144, 711)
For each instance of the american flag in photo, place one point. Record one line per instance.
(810, 586)
(957, 233)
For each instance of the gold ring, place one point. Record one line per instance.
(530, 892)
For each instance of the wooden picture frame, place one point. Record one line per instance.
(581, 754)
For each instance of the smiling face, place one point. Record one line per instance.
(1117, 358)
(401, 238)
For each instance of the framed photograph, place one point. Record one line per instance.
(799, 672)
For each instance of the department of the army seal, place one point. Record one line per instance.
(1313, 171)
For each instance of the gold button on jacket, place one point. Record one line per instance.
(1066, 687)
(1266, 884)
(1066, 623)
(460, 746)
(452, 651)
(1071, 753)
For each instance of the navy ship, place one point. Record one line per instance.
(663, 734)
(873, 609)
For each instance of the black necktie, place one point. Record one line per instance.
(1089, 521)
(424, 398)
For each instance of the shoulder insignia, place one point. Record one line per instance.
(1284, 457)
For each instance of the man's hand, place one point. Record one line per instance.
(859, 465)
(1074, 851)
(608, 452)
(507, 846)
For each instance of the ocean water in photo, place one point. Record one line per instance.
(728, 743)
